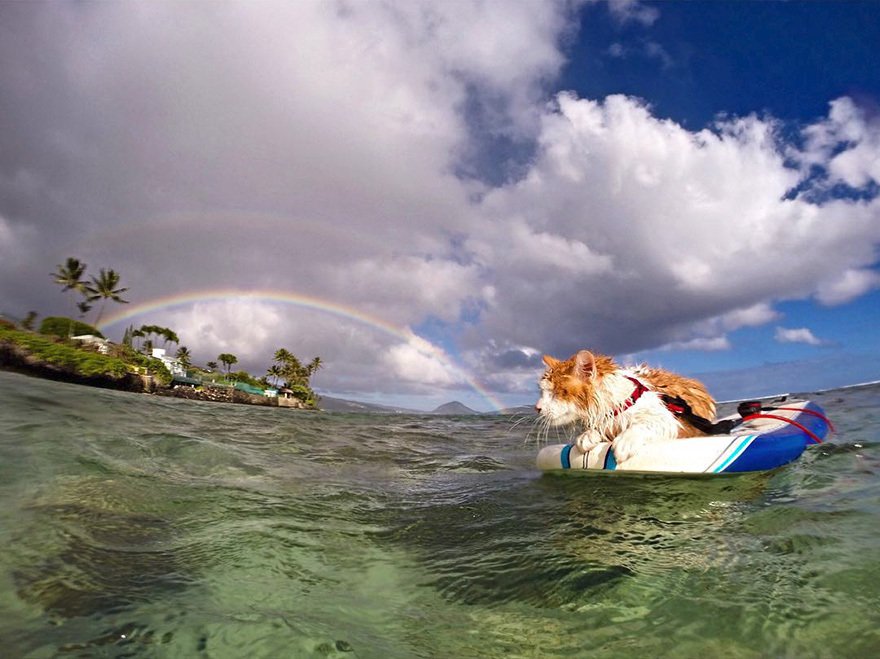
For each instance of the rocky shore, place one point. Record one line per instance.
(16, 358)
(225, 395)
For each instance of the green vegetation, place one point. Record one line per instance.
(69, 277)
(54, 347)
(184, 357)
(65, 354)
(66, 327)
(29, 320)
(227, 360)
(295, 374)
(104, 287)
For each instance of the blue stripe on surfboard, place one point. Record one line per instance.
(565, 456)
(610, 460)
(736, 453)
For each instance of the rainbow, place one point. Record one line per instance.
(301, 301)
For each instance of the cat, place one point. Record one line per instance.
(623, 406)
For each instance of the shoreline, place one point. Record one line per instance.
(16, 359)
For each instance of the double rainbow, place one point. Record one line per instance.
(304, 302)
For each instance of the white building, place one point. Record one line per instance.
(171, 363)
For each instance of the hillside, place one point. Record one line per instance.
(454, 408)
(330, 404)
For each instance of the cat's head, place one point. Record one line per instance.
(569, 388)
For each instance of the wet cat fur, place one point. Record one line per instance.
(593, 390)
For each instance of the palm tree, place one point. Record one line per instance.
(282, 356)
(105, 288)
(168, 335)
(184, 357)
(227, 360)
(137, 334)
(147, 332)
(29, 320)
(70, 277)
(293, 370)
(275, 372)
(211, 366)
(314, 365)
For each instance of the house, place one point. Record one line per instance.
(286, 398)
(172, 364)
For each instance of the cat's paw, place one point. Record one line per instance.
(588, 440)
(626, 446)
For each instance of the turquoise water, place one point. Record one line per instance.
(133, 525)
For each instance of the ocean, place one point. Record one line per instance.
(143, 526)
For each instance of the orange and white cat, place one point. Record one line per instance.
(624, 406)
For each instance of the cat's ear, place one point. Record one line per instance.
(550, 361)
(585, 365)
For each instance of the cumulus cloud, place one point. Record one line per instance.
(797, 335)
(238, 326)
(319, 149)
(702, 228)
(420, 362)
(845, 144)
(847, 285)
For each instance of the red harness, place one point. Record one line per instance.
(633, 397)
(680, 408)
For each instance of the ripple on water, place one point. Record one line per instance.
(136, 525)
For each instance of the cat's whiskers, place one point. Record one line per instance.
(543, 425)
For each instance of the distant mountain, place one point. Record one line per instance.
(330, 404)
(522, 410)
(455, 408)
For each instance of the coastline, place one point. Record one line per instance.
(17, 359)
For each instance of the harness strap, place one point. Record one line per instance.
(633, 397)
(805, 411)
(797, 425)
(680, 408)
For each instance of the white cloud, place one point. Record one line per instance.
(700, 228)
(703, 344)
(846, 145)
(396, 286)
(844, 287)
(242, 327)
(633, 11)
(419, 362)
(312, 147)
(798, 335)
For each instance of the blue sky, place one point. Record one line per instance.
(699, 60)
(430, 195)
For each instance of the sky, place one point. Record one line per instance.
(432, 195)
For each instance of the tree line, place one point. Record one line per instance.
(286, 369)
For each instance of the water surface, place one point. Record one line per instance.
(134, 525)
